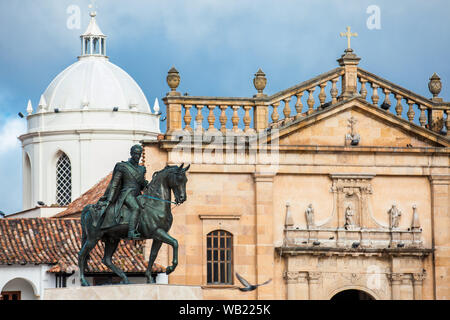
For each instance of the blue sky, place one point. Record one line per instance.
(216, 45)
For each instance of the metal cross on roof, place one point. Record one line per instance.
(348, 34)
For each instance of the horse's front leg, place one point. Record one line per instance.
(110, 247)
(83, 255)
(156, 245)
(163, 236)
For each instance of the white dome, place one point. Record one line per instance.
(95, 83)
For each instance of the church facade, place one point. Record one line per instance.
(334, 187)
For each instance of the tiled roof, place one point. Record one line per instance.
(57, 242)
(89, 197)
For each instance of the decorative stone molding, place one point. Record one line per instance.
(291, 276)
(314, 277)
(419, 277)
(395, 277)
(219, 216)
(263, 176)
(406, 278)
(352, 277)
(352, 190)
(302, 277)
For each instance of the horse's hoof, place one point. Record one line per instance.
(169, 269)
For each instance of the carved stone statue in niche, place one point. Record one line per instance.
(395, 215)
(349, 214)
(415, 223)
(309, 213)
(354, 189)
(353, 137)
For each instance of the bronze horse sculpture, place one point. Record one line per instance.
(154, 222)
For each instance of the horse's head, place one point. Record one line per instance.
(177, 182)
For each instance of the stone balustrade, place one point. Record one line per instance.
(247, 116)
(303, 95)
(429, 113)
(250, 115)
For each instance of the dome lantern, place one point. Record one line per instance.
(93, 41)
(93, 82)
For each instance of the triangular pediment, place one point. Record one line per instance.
(375, 127)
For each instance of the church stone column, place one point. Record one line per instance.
(314, 285)
(395, 279)
(264, 234)
(417, 283)
(291, 281)
(406, 287)
(440, 186)
(302, 290)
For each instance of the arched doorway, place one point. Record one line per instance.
(18, 289)
(351, 295)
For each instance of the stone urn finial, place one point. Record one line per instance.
(260, 81)
(435, 85)
(173, 79)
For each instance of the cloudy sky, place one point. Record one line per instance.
(216, 45)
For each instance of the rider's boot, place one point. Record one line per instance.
(132, 233)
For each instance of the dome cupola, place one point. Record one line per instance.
(93, 82)
(85, 122)
(93, 41)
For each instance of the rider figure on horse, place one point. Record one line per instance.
(127, 182)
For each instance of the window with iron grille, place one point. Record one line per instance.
(63, 180)
(219, 257)
(60, 280)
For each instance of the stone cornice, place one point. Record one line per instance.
(219, 216)
(84, 131)
(170, 144)
(439, 178)
(285, 250)
(264, 176)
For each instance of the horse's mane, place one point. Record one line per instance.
(156, 178)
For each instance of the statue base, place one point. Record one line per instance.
(126, 292)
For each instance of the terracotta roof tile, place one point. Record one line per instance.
(57, 242)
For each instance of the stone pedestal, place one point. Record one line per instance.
(126, 292)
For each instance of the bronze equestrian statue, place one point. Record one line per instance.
(127, 182)
(124, 213)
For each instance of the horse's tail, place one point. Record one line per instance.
(85, 214)
(83, 219)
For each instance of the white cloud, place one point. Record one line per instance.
(9, 132)
(11, 164)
